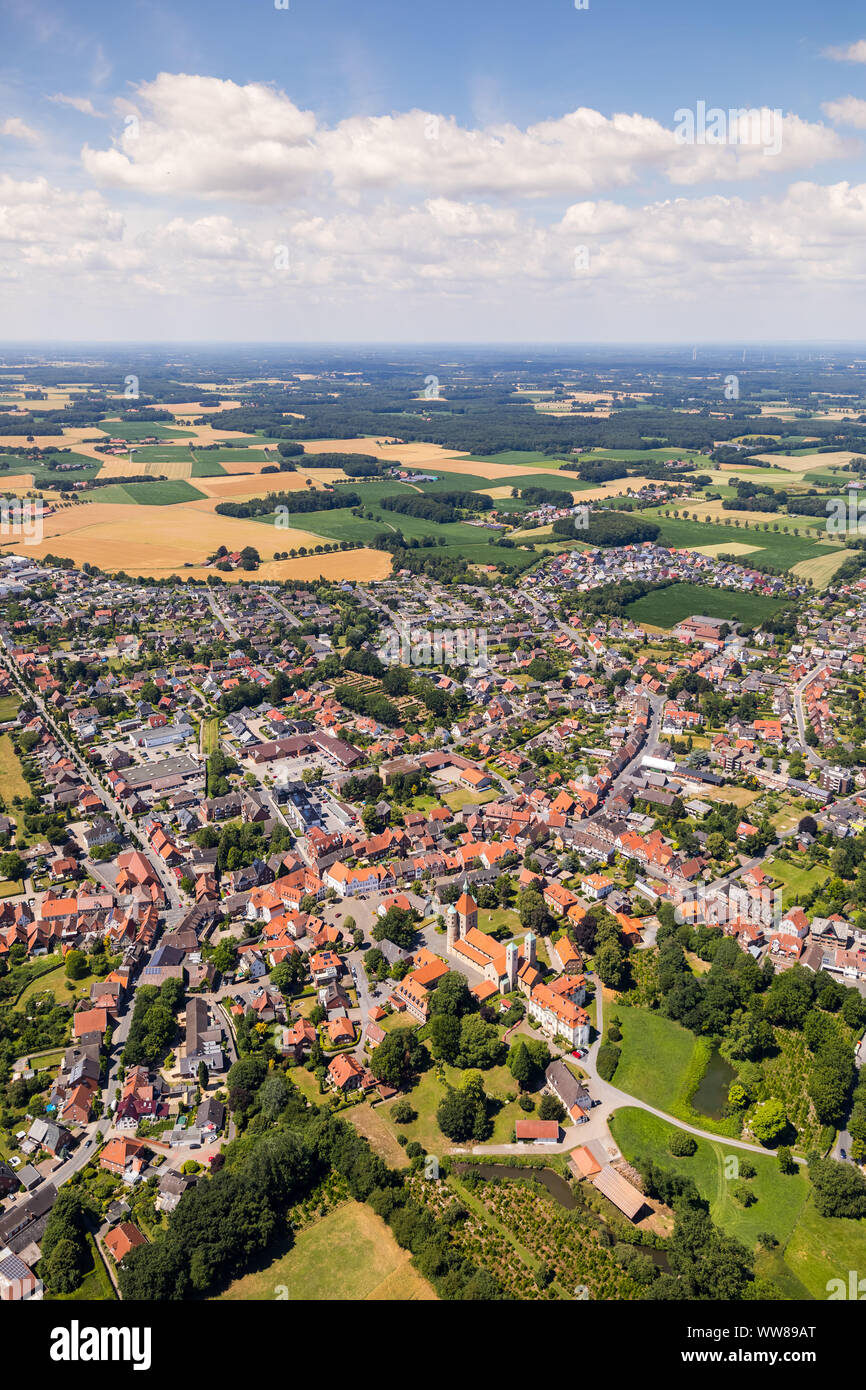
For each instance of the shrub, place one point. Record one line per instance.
(682, 1145)
(608, 1061)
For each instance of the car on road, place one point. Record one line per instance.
(842, 1153)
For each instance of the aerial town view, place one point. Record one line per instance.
(432, 675)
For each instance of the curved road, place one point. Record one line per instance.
(608, 1099)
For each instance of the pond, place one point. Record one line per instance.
(712, 1093)
(555, 1184)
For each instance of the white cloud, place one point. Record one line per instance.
(14, 127)
(82, 104)
(33, 213)
(685, 247)
(211, 138)
(848, 53)
(850, 111)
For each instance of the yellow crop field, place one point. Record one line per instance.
(254, 485)
(178, 539)
(193, 408)
(806, 463)
(821, 568)
(735, 548)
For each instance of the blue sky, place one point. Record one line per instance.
(160, 208)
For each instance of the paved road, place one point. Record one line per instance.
(227, 623)
(799, 713)
(610, 1098)
(843, 1138)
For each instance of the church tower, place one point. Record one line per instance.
(529, 948)
(510, 966)
(467, 910)
(452, 926)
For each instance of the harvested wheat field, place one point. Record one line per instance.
(132, 468)
(821, 568)
(193, 408)
(715, 512)
(735, 548)
(178, 539)
(16, 482)
(806, 463)
(254, 485)
(362, 565)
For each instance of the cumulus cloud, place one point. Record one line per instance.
(848, 53)
(686, 247)
(33, 214)
(203, 136)
(850, 111)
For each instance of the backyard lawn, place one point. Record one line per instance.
(12, 782)
(499, 1084)
(349, 1255)
(796, 879)
(56, 982)
(463, 797)
(96, 1287)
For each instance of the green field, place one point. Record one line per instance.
(350, 1254)
(781, 1197)
(661, 1061)
(55, 982)
(206, 466)
(8, 707)
(648, 455)
(12, 782)
(340, 524)
(155, 494)
(162, 453)
(210, 737)
(796, 878)
(822, 1248)
(667, 607)
(773, 547)
(469, 482)
(255, 454)
(425, 1096)
(45, 471)
(520, 458)
(133, 430)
